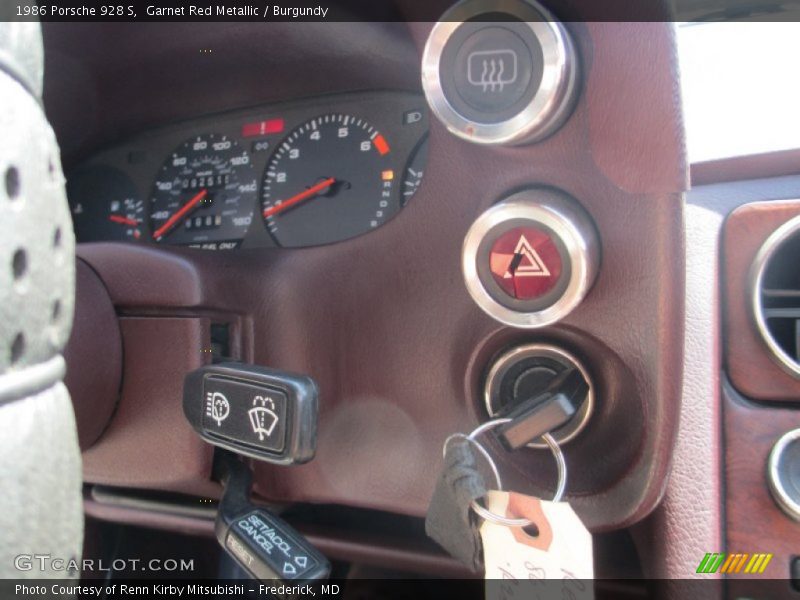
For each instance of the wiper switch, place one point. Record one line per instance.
(258, 412)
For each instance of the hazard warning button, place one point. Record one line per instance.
(531, 258)
(525, 263)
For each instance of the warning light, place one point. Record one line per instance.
(381, 144)
(525, 263)
(267, 127)
(387, 175)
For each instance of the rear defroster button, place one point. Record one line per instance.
(530, 259)
(500, 72)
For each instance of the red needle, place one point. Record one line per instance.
(305, 194)
(181, 213)
(123, 220)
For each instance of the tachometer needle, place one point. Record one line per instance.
(196, 199)
(304, 195)
(123, 220)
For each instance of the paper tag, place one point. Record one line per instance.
(561, 553)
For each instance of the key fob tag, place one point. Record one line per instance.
(561, 552)
(450, 521)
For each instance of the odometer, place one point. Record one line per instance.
(204, 195)
(330, 179)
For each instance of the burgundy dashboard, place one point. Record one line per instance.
(205, 203)
(382, 321)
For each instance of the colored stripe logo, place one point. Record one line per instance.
(732, 563)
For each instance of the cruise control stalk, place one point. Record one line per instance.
(263, 544)
(271, 416)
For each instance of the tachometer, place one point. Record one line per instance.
(329, 180)
(204, 195)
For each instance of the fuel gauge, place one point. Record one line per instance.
(128, 213)
(105, 205)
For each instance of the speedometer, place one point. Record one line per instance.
(204, 195)
(329, 180)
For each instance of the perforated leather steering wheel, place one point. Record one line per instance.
(40, 508)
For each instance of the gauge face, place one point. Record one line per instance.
(204, 195)
(128, 215)
(105, 205)
(415, 170)
(329, 180)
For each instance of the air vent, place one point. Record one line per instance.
(775, 281)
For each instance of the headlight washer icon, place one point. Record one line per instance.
(217, 407)
(263, 418)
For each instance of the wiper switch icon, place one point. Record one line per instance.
(263, 418)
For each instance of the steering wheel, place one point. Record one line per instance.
(40, 464)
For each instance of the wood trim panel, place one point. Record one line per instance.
(749, 363)
(754, 521)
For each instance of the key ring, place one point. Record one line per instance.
(484, 512)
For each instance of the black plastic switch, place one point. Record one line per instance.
(269, 548)
(241, 412)
(265, 545)
(255, 411)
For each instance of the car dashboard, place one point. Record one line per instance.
(323, 199)
(282, 196)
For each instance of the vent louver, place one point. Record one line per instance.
(775, 282)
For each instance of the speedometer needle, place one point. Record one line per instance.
(304, 195)
(123, 220)
(196, 199)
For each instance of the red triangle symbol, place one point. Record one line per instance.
(531, 264)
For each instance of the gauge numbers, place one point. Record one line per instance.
(205, 194)
(330, 179)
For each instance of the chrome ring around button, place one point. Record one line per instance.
(551, 103)
(575, 231)
(777, 485)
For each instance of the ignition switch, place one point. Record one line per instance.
(547, 384)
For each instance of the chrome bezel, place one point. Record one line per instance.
(757, 271)
(567, 433)
(779, 493)
(545, 112)
(568, 221)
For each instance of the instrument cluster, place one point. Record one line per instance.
(302, 174)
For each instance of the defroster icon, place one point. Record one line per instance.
(492, 70)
